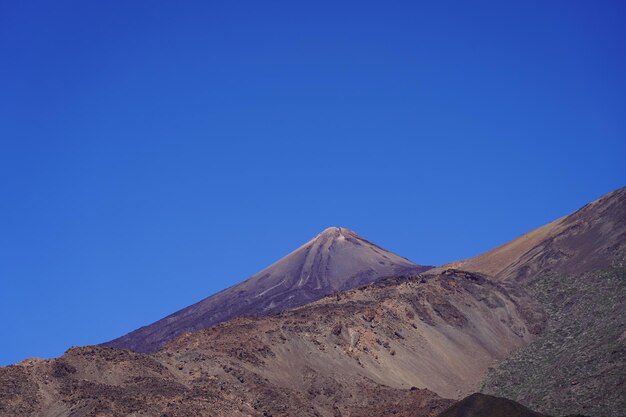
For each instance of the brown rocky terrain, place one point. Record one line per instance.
(335, 260)
(100, 381)
(395, 346)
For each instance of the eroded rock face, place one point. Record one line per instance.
(335, 260)
(366, 349)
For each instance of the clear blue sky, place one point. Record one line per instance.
(155, 152)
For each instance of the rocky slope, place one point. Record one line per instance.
(578, 365)
(337, 259)
(588, 239)
(395, 346)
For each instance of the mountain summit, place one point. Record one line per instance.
(336, 259)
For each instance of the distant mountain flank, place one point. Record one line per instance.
(337, 259)
(590, 238)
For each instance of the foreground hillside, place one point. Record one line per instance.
(396, 346)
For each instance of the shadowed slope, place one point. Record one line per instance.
(481, 405)
(337, 259)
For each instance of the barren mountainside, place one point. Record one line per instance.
(336, 259)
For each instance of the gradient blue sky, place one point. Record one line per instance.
(153, 153)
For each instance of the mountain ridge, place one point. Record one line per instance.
(590, 238)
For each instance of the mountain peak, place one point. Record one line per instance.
(332, 229)
(336, 259)
(336, 233)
